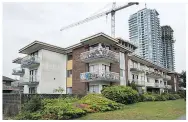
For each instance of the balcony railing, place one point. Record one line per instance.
(168, 86)
(32, 80)
(154, 85)
(138, 83)
(30, 61)
(100, 76)
(154, 74)
(136, 70)
(99, 54)
(5, 87)
(18, 71)
(166, 77)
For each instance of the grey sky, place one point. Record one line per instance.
(25, 22)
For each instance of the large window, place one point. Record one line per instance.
(105, 68)
(33, 75)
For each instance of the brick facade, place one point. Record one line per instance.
(78, 67)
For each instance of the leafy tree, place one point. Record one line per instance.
(183, 76)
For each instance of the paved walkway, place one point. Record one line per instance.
(182, 117)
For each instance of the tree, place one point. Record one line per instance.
(183, 76)
(59, 90)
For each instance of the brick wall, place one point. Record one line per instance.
(78, 67)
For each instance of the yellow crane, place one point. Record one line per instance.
(112, 12)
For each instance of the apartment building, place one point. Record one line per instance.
(148, 76)
(168, 47)
(95, 62)
(145, 33)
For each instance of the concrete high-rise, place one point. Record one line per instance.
(145, 33)
(168, 47)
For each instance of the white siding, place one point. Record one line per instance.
(52, 72)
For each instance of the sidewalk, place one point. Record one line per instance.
(182, 117)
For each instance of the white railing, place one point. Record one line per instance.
(18, 71)
(31, 80)
(5, 87)
(138, 82)
(156, 85)
(166, 77)
(99, 53)
(28, 60)
(99, 76)
(154, 74)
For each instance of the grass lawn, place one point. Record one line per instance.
(163, 110)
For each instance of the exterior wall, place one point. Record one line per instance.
(78, 67)
(52, 72)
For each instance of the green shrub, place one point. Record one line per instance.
(159, 97)
(172, 97)
(96, 103)
(176, 96)
(146, 97)
(62, 108)
(32, 105)
(121, 94)
(28, 116)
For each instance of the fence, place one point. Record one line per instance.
(12, 102)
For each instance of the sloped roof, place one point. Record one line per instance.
(8, 79)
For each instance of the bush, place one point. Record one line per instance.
(176, 96)
(96, 103)
(28, 116)
(62, 108)
(146, 97)
(32, 105)
(121, 94)
(172, 97)
(159, 97)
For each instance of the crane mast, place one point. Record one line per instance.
(112, 12)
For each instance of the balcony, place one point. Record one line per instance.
(30, 61)
(18, 71)
(153, 85)
(99, 54)
(166, 77)
(136, 70)
(168, 86)
(138, 83)
(5, 87)
(100, 76)
(153, 75)
(32, 81)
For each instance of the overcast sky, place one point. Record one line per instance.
(25, 22)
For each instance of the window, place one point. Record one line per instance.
(33, 75)
(132, 76)
(69, 90)
(32, 90)
(94, 89)
(105, 68)
(137, 76)
(69, 57)
(69, 73)
(121, 72)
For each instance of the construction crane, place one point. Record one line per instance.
(112, 12)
